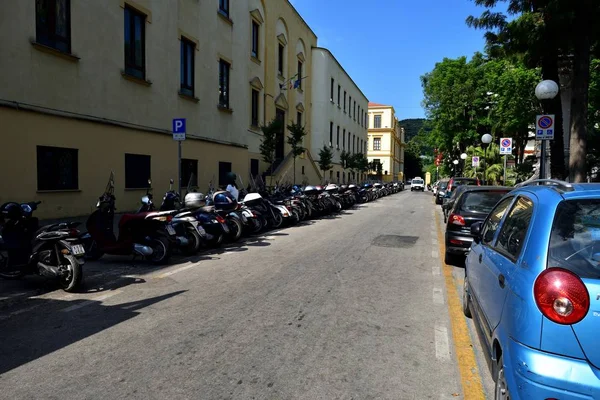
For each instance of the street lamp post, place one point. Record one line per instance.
(463, 157)
(455, 162)
(545, 91)
(486, 140)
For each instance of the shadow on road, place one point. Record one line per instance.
(28, 336)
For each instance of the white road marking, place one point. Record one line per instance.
(91, 301)
(434, 254)
(438, 296)
(434, 241)
(175, 271)
(435, 271)
(442, 346)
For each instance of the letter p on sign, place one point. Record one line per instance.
(179, 129)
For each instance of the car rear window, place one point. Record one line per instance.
(468, 182)
(443, 185)
(575, 237)
(481, 202)
(417, 182)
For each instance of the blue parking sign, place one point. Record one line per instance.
(179, 129)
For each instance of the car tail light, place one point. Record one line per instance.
(456, 220)
(220, 219)
(73, 233)
(561, 296)
(169, 218)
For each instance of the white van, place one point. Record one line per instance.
(417, 184)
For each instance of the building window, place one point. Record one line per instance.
(344, 101)
(349, 109)
(298, 83)
(135, 43)
(299, 118)
(53, 24)
(339, 91)
(254, 164)
(255, 99)
(189, 173)
(280, 58)
(331, 134)
(337, 176)
(377, 121)
(348, 140)
(331, 90)
(358, 115)
(57, 168)
(303, 170)
(137, 171)
(224, 7)
(224, 67)
(188, 49)
(344, 140)
(354, 111)
(376, 143)
(224, 170)
(338, 137)
(255, 39)
(353, 144)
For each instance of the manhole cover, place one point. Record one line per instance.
(395, 241)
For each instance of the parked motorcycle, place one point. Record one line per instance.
(137, 234)
(53, 251)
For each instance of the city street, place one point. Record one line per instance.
(355, 306)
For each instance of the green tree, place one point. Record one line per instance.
(269, 141)
(345, 160)
(295, 138)
(545, 33)
(325, 159)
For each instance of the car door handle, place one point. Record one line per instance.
(480, 258)
(501, 281)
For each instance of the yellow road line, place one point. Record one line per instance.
(470, 378)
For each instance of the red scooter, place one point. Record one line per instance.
(138, 235)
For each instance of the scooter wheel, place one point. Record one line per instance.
(194, 242)
(235, 229)
(71, 281)
(161, 250)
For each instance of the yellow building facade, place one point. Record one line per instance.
(97, 91)
(386, 141)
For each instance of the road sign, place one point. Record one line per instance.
(475, 161)
(506, 146)
(179, 129)
(544, 127)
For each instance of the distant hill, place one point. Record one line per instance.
(411, 127)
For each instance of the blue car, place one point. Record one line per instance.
(532, 286)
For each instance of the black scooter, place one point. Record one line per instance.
(53, 251)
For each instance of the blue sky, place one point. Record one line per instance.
(386, 45)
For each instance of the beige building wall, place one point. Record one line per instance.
(285, 26)
(391, 136)
(82, 99)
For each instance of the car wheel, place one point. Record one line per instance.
(501, 390)
(466, 299)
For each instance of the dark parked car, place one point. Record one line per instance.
(460, 181)
(473, 204)
(441, 191)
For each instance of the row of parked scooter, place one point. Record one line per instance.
(155, 232)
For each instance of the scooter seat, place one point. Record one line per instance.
(130, 217)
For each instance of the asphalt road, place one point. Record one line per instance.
(351, 307)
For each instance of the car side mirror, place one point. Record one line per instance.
(476, 231)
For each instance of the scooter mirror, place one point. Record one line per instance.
(150, 182)
(171, 181)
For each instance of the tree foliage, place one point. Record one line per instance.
(269, 140)
(325, 159)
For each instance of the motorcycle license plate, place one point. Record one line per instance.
(170, 229)
(78, 250)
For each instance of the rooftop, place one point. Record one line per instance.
(371, 104)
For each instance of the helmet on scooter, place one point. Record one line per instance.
(11, 210)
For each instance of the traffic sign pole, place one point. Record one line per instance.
(179, 136)
(544, 131)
